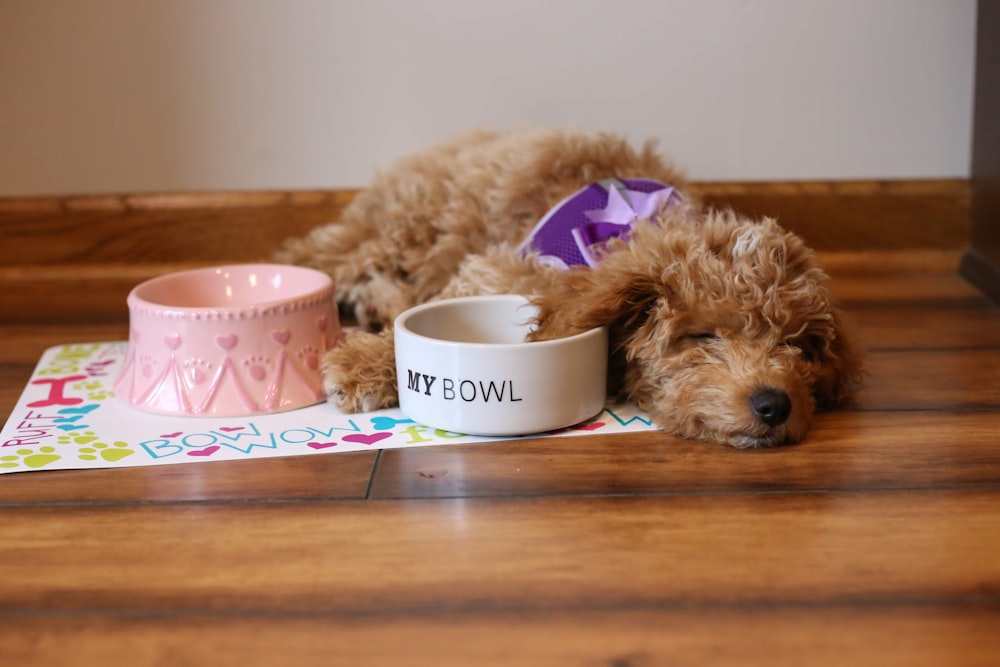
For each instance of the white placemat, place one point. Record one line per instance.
(68, 418)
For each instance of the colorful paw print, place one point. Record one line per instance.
(92, 449)
(112, 453)
(96, 391)
(77, 438)
(30, 458)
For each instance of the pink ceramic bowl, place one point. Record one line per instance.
(228, 341)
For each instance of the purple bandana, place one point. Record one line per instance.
(574, 230)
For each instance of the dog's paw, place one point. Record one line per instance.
(359, 375)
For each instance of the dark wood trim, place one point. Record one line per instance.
(55, 248)
(246, 226)
(982, 271)
(857, 215)
(159, 228)
(981, 263)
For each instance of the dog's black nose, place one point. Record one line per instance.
(771, 406)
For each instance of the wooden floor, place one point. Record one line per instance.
(876, 541)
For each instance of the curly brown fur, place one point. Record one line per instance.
(401, 240)
(709, 314)
(723, 328)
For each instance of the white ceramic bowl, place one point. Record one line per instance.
(463, 365)
(228, 341)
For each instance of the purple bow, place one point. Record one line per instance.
(573, 231)
(624, 207)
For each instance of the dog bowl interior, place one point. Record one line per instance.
(228, 341)
(465, 365)
(231, 286)
(492, 321)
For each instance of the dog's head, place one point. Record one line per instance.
(722, 328)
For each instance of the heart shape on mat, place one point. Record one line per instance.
(366, 438)
(206, 451)
(321, 445)
(171, 435)
(230, 429)
(592, 426)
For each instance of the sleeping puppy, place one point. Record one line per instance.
(722, 328)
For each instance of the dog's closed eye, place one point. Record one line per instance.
(701, 336)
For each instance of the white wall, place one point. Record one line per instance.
(159, 95)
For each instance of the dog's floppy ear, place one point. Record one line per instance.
(622, 300)
(622, 291)
(840, 362)
(601, 296)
